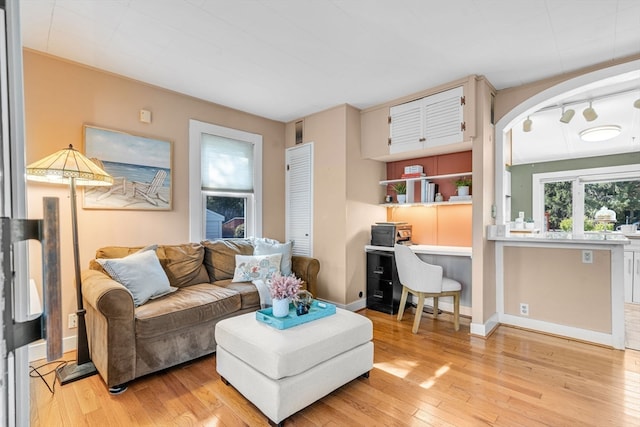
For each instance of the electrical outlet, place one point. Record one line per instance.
(524, 309)
(587, 257)
(73, 321)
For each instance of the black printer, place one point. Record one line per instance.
(390, 233)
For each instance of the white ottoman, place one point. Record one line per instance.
(283, 371)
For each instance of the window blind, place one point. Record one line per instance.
(227, 164)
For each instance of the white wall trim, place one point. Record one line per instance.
(38, 349)
(485, 329)
(560, 330)
(196, 129)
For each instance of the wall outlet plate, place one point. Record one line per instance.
(73, 321)
(587, 257)
(524, 309)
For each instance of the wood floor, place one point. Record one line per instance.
(437, 377)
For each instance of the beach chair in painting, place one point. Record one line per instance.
(119, 183)
(150, 191)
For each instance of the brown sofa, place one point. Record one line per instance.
(127, 342)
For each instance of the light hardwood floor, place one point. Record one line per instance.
(437, 377)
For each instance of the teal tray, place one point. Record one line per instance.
(317, 310)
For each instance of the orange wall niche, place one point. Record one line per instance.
(442, 225)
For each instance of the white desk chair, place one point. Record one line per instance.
(424, 280)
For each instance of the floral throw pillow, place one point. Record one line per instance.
(255, 267)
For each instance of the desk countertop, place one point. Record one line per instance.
(428, 249)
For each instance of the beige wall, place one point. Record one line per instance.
(345, 200)
(483, 263)
(61, 96)
(559, 287)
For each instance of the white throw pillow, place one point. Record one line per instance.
(254, 267)
(141, 273)
(270, 246)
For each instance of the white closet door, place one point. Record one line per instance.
(299, 198)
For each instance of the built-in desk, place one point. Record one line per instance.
(570, 285)
(455, 262)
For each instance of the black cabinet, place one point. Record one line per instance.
(383, 287)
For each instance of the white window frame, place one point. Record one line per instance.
(197, 196)
(579, 177)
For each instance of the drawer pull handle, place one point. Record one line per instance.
(379, 270)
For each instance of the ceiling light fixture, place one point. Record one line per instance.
(600, 133)
(526, 125)
(589, 113)
(567, 115)
(637, 103)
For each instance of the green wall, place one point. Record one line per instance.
(521, 175)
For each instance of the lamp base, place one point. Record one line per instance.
(74, 372)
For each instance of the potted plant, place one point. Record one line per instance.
(401, 191)
(282, 290)
(463, 184)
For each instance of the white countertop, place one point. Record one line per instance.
(428, 249)
(567, 238)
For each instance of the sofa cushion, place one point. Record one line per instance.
(247, 290)
(183, 264)
(185, 308)
(141, 273)
(263, 246)
(220, 256)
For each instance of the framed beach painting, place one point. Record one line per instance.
(140, 167)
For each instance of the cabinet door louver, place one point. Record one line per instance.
(427, 122)
(406, 127)
(443, 116)
(299, 199)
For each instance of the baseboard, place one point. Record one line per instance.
(38, 350)
(357, 305)
(487, 328)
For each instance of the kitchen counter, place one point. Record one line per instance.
(566, 238)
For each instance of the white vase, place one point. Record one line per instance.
(463, 190)
(401, 198)
(280, 307)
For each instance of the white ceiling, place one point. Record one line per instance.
(284, 59)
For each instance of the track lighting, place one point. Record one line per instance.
(589, 113)
(637, 103)
(567, 115)
(526, 125)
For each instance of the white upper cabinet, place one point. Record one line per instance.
(427, 122)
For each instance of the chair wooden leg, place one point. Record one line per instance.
(418, 316)
(403, 302)
(435, 307)
(456, 311)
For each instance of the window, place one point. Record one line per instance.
(568, 200)
(225, 190)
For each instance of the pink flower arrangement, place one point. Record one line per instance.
(282, 287)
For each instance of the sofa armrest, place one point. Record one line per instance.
(110, 327)
(306, 268)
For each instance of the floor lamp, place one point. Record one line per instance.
(69, 166)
